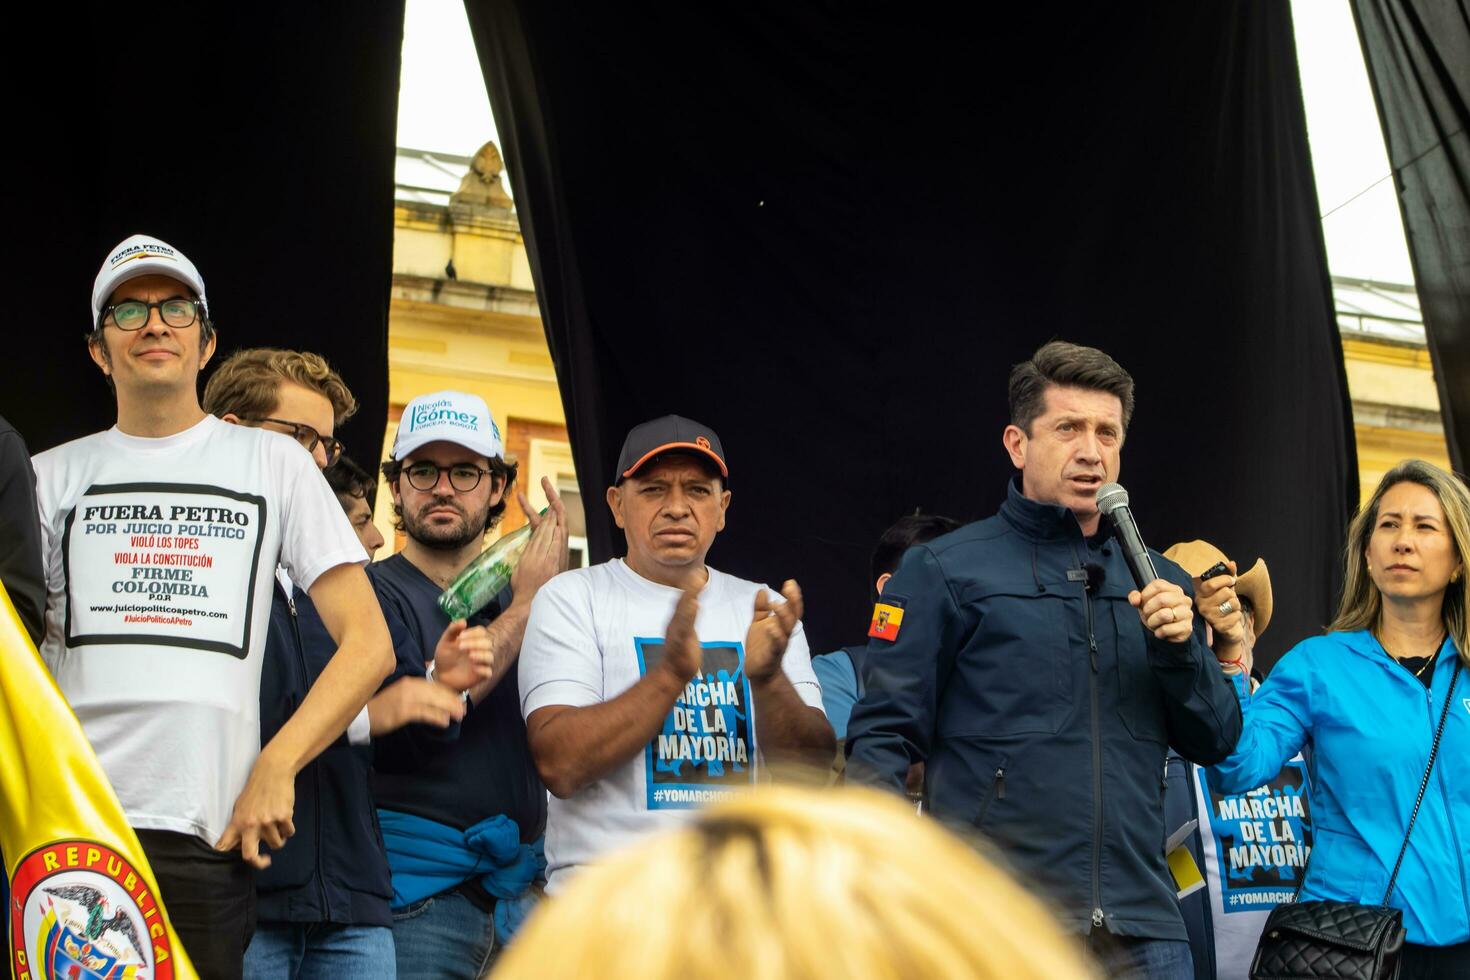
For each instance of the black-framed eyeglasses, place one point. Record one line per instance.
(132, 314)
(463, 477)
(309, 437)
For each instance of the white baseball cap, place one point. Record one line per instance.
(448, 416)
(143, 255)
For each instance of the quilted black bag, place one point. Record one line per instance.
(1330, 940)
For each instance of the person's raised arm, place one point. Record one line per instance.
(576, 745)
(349, 609)
(786, 727)
(1278, 718)
(1211, 597)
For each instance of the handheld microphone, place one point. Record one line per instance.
(1112, 500)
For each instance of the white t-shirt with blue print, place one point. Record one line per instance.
(593, 633)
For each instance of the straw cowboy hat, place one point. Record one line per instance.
(1255, 585)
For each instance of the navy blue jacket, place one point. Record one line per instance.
(1043, 709)
(1180, 807)
(334, 869)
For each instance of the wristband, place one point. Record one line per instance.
(429, 676)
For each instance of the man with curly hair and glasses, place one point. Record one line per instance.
(464, 812)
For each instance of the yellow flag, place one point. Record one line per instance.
(83, 902)
(1187, 877)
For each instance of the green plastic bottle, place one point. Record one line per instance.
(483, 578)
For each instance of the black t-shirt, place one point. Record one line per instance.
(1419, 667)
(485, 770)
(20, 530)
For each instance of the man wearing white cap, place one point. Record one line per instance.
(161, 536)
(463, 813)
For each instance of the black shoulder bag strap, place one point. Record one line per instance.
(1423, 783)
(1444, 715)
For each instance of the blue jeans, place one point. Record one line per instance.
(319, 951)
(1127, 958)
(444, 937)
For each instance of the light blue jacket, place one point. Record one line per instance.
(1370, 724)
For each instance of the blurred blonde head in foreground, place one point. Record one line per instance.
(791, 884)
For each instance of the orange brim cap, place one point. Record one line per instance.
(679, 447)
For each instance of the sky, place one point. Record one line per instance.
(443, 106)
(1365, 234)
(442, 103)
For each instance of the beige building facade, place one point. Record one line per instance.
(1391, 380)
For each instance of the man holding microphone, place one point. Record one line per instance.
(1040, 688)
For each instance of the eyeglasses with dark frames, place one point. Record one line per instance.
(132, 314)
(308, 437)
(464, 477)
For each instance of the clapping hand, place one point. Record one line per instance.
(546, 553)
(683, 656)
(770, 630)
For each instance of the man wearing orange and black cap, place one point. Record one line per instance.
(654, 684)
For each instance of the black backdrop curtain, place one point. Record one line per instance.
(1418, 56)
(258, 139)
(829, 230)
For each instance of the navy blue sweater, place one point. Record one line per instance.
(478, 769)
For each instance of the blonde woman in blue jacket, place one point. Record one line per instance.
(1365, 699)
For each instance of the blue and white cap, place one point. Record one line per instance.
(448, 416)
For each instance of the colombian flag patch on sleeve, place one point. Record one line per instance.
(887, 618)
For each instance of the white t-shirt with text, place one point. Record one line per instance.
(160, 557)
(592, 634)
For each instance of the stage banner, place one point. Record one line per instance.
(82, 904)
